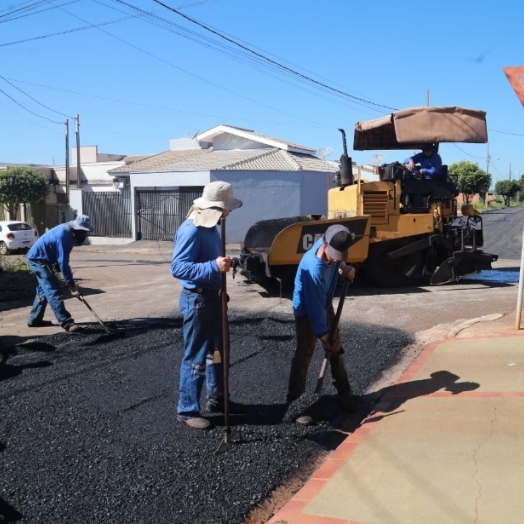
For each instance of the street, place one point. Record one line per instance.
(87, 426)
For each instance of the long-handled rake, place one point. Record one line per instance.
(111, 334)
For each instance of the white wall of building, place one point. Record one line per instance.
(265, 194)
(272, 194)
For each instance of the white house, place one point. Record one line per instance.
(273, 177)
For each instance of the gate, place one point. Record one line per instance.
(110, 212)
(160, 213)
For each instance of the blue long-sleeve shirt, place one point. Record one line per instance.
(315, 285)
(430, 166)
(193, 261)
(54, 247)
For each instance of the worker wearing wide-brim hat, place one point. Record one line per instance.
(198, 264)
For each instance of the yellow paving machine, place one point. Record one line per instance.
(407, 231)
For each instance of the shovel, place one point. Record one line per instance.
(111, 334)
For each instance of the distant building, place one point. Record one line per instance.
(147, 197)
(273, 177)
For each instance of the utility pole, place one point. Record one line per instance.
(427, 97)
(67, 174)
(510, 170)
(487, 173)
(77, 119)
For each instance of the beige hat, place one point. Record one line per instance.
(218, 194)
(205, 217)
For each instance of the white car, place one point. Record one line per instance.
(16, 235)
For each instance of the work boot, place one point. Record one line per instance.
(40, 323)
(217, 406)
(195, 422)
(74, 328)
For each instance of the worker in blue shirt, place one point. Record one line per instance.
(198, 264)
(426, 164)
(315, 285)
(53, 248)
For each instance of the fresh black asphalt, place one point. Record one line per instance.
(88, 431)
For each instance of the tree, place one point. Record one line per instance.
(470, 179)
(507, 189)
(21, 185)
(521, 188)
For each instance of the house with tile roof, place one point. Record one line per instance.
(273, 177)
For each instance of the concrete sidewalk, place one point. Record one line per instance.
(444, 445)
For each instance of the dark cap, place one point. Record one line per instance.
(338, 238)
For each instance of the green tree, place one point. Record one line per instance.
(508, 189)
(21, 185)
(470, 179)
(521, 188)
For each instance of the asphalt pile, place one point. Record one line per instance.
(88, 430)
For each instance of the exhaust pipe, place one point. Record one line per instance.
(346, 165)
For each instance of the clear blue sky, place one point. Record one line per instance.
(138, 77)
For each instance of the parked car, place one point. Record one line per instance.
(16, 235)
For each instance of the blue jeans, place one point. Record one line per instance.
(202, 328)
(47, 290)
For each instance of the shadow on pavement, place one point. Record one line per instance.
(394, 396)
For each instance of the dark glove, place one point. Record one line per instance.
(346, 271)
(75, 291)
(328, 346)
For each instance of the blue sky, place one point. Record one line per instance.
(136, 81)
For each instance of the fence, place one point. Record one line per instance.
(160, 213)
(110, 212)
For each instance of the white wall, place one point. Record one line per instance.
(75, 203)
(228, 142)
(272, 195)
(265, 194)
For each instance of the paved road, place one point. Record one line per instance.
(87, 429)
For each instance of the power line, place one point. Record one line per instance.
(191, 74)
(28, 110)
(28, 10)
(34, 99)
(265, 58)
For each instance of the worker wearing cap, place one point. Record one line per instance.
(54, 247)
(426, 164)
(315, 285)
(198, 264)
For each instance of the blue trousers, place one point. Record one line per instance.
(49, 291)
(202, 329)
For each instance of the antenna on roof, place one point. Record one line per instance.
(196, 133)
(324, 152)
(377, 159)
